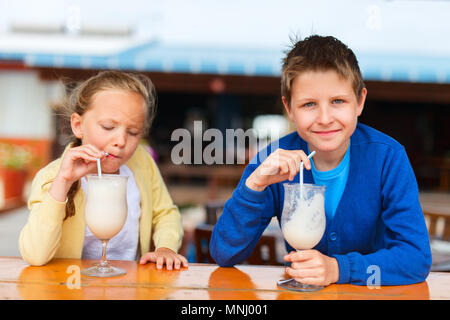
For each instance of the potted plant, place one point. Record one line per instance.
(13, 173)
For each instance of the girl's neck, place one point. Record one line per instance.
(328, 160)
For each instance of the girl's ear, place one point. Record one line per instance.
(288, 110)
(75, 123)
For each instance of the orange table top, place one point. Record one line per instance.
(60, 279)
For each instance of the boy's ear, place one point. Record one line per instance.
(362, 100)
(288, 109)
(75, 123)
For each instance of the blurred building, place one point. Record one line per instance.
(220, 63)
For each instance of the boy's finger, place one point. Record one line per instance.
(302, 255)
(293, 168)
(288, 257)
(304, 159)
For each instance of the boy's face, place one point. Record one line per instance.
(324, 109)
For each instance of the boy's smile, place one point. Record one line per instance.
(325, 110)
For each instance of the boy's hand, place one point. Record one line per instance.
(164, 256)
(312, 267)
(279, 166)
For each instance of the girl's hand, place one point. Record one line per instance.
(164, 256)
(279, 166)
(312, 267)
(76, 163)
(79, 161)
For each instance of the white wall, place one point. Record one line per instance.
(25, 105)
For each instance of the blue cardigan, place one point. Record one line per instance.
(378, 224)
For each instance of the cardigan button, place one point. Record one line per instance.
(333, 236)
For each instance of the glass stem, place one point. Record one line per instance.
(103, 261)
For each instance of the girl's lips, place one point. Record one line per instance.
(109, 155)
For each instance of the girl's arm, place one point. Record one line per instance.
(40, 237)
(167, 226)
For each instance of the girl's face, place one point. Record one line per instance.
(113, 123)
(325, 110)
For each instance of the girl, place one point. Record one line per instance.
(109, 113)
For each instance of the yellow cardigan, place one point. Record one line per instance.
(47, 236)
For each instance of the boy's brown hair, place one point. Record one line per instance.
(318, 53)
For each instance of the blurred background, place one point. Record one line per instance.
(217, 62)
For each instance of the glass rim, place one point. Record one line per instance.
(105, 175)
(308, 185)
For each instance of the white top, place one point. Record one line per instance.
(124, 245)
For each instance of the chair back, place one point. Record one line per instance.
(263, 254)
(438, 225)
(213, 211)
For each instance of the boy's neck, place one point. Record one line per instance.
(328, 160)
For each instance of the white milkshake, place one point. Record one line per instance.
(303, 223)
(106, 205)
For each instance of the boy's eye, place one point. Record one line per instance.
(338, 101)
(309, 104)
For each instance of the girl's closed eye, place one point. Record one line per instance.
(108, 128)
(134, 133)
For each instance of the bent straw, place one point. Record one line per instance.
(99, 168)
(301, 173)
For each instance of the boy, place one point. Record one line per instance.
(373, 214)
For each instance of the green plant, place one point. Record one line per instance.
(13, 156)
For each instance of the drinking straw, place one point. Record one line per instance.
(99, 168)
(301, 173)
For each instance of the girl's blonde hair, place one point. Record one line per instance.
(80, 98)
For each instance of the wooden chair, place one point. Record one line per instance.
(263, 254)
(435, 220)
(213, 211)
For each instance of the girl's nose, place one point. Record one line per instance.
(120, 139)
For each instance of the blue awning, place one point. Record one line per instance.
(158, 57)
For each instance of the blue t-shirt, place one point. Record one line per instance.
(335, 181)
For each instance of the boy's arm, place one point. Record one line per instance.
(406, 256)
(40, 237)
(244, 218)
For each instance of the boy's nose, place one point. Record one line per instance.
(324, 116)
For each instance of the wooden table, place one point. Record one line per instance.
(57, 280)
